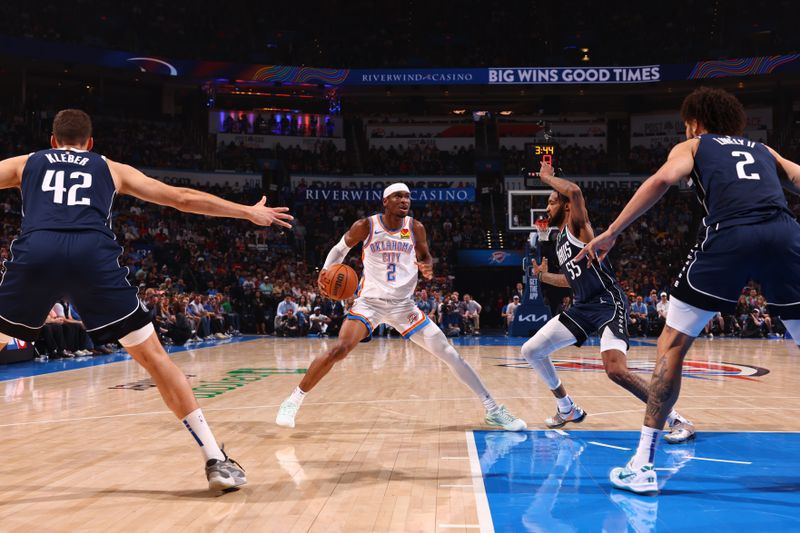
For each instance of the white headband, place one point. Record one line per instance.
(395, 187)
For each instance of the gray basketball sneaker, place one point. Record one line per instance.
(224, 475)
(680, 432)
(576, 415)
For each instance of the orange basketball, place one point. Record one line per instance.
(342, 282)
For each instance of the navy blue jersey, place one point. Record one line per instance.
(590, 284)
(736, 181)
(66, 190)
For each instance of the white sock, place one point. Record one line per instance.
(490, 405)
(674, 417)
(196, 423)
(297, 396)
(646, 452)
(564, 404)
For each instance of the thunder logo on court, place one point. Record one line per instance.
(706, 370)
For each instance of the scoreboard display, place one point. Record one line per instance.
(535, 154)
(540, 152)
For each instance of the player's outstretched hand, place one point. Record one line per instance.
(266, 216)
(538, 268)
(598, 248)
(426, 269)
(546, 170)
(322, 283)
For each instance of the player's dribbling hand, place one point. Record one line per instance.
(546, 170)
(598, 248)
(426, 269)
(538, 268)
(322, 282)
(267, 216)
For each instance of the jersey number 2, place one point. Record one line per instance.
(391, 268)
(54, 181)
(748, 160)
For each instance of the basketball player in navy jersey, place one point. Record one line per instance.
(600, 306)
(748, 233)
(66, 247)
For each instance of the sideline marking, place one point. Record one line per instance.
(609, 446)
(481, 501)
(721, 460)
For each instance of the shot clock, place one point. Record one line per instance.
(535, 154)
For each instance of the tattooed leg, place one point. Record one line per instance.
(617, 369)
(666, 383)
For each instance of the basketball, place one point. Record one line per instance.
(342, 282)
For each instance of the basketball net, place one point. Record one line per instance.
(543, 228)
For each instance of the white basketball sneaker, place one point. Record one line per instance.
(503, 418)
(641, 481)
(286, 413)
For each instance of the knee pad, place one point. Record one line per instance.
(553, 336)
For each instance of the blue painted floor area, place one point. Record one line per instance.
(37, 368)
(490, 340)
(543, 481)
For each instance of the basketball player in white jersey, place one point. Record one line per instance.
(395, 247)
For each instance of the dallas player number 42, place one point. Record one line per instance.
(54, 181)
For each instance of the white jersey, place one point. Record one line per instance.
(389, 257)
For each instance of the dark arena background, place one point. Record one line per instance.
(319, 106)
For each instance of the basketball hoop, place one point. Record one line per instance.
(543, 228)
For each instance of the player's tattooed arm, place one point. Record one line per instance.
(540, 269)
(424, 257)
(11, 171)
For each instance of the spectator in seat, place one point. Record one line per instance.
(471, 313)
(260, 313)
(509, 311)
(178, 329)
(452, 321)
(288, 325)
(53, 336)
(283, 309)
(638, 315)
(424, 303)
(716, 321)
(319, 322)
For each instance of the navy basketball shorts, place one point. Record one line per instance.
(583, 319)
(724, 260)
(81, 266)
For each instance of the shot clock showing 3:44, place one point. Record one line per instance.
(535, 155)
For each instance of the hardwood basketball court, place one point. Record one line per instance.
(384, 443)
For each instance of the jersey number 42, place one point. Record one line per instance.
(54, 181)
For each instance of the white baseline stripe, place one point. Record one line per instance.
(481, 501)
(609, 446)
(722, 460)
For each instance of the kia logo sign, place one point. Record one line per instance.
(498, 257)
(532, 318)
